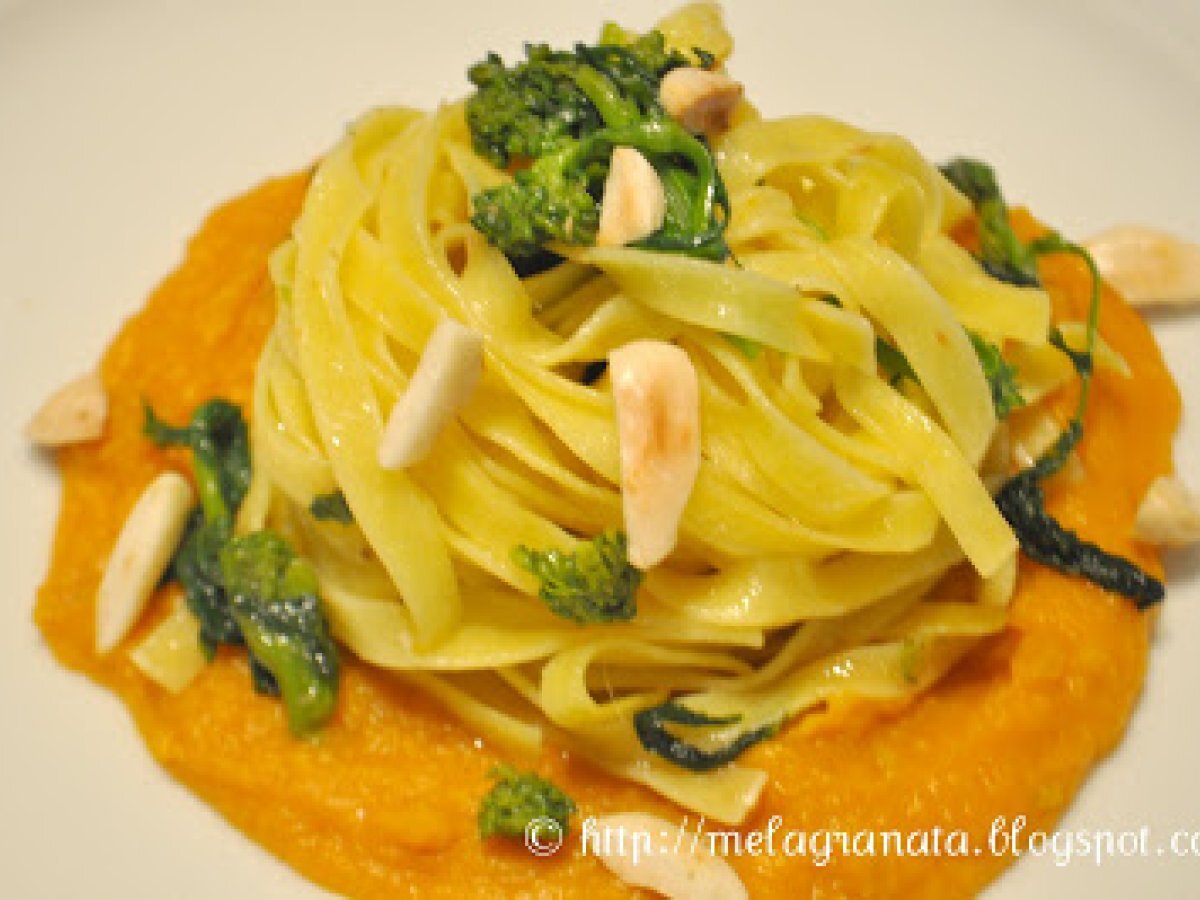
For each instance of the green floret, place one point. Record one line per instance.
(558, 115)
(250, 590)
(541, 105)
(596, 583)
(548, 201)
(273, 596)
(518, 799)
(529, 110)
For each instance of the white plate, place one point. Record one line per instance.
(122, 122)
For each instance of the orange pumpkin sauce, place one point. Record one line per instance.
(384, 802)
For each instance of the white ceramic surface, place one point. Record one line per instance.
(123, 121)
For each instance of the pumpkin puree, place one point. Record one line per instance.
(384, 803)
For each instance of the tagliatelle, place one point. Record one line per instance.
(828, 506)
(840, 638)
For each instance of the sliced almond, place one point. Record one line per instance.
(142, 553)
(634, 205)
(75, 413)
(700, 100)
(648, 852)
(1146, 265)
(657, 398)
(445, 377)
(1168, 514)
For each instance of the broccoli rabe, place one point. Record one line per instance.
(1001, 252)
(557, 97)
(596, 583)
(248, 590)
(893, 363)
(548, 201)
(1001, 376)
(558, 115)
(527, 111)
(1023, 504)
(273, 596)
(216, 435)
(651, 727)
(521, 800)
(1021, 499)
(331, 507)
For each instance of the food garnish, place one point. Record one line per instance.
(520, 801)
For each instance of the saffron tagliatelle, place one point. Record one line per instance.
(830, 501)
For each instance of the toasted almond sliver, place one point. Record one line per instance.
(1146, 265)
(1168, 514)
(445, 377)
(142, 553)
(634, 205)
(656, 392)
(647, 852)
(700, 100)
(75, 413)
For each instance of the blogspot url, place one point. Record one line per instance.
(1007, 837)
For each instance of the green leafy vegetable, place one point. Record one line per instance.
(233, 585)
(563, 112)
(331, 507)
(520, 799)
(596, 583)
(1002, 253)
(1080, 359)
(216, 435)
(1001, 376)
(273, 597)
(651, 727)
(1021, 500)
(893, 362)
(526, 111)
(548, 201)
(197, 567)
